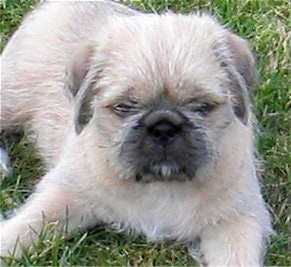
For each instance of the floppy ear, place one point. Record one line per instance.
(242, 70)
(79, 84)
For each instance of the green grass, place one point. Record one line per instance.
(267, 25)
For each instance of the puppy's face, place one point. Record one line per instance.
(163, 141)
(165, 90)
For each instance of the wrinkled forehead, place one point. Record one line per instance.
(173, 56)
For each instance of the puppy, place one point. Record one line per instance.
(154, 133)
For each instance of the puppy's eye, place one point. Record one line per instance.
(125, 109)
(203, 108)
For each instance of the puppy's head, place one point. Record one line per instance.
(162, 92)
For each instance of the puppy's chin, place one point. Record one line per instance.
(162, 172)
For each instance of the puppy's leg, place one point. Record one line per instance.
(52, 203)
(238, 243)
(13, 111)
(11, 114)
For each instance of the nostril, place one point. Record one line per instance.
(170, 132)
(163, 132)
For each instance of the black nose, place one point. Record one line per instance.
(163, 132)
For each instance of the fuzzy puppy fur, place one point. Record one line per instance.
(143, 121)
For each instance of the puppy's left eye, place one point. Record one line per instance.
(203, 108)
(125, 109)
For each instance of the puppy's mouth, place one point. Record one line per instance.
(164, 170)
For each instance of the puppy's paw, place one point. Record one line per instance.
(5, 164)
(9, 242)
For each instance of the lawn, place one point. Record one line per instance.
(267, 25)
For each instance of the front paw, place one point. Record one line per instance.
(10, 234)
(7, 240)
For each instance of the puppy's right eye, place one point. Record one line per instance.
(125, 109)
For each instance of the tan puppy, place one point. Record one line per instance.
(154, 134)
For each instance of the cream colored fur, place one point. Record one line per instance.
(85, 183)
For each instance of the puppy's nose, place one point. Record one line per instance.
(163, 132)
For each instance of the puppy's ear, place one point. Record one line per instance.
(243, 60)
(242, 70)
(79, 86)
